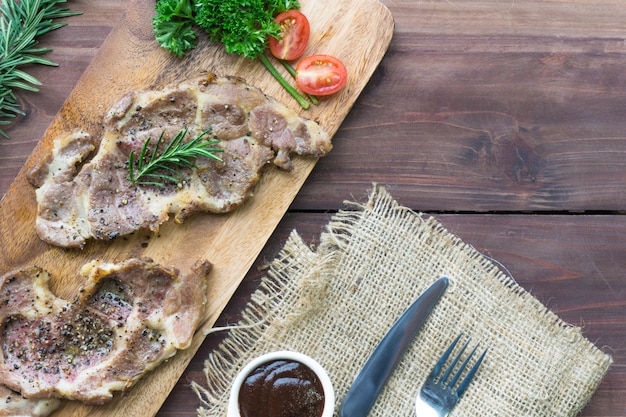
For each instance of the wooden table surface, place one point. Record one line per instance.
(504, 120)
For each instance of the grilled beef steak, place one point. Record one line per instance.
(126, 320)
(12, 404)
(79, 200)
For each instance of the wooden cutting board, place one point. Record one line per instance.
(356, 31)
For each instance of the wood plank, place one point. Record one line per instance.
(572, 264)
(130, 59)
(486, 105)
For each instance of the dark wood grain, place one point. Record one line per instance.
(505, 120)
(504, 105)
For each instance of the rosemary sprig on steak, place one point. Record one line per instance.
(152, 168)
(21, 24)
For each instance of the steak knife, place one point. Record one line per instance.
(381, 363)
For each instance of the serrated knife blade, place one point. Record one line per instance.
(378, 368)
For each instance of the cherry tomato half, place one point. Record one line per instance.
(321, 75)
(295, 31)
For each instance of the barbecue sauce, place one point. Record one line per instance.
(281, 388)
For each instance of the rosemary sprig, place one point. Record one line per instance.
(154, 168)
(21, 23)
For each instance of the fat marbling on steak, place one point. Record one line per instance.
(13, 404)
(79, 199)
(127, 319)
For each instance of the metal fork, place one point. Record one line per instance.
(438, 396)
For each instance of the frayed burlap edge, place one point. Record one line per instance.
(336, 303)
(272, 303)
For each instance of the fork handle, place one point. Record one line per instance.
(370, 381)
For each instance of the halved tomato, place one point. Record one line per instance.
(321, 75)
(294, 36)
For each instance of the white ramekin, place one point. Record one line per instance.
(329, 393)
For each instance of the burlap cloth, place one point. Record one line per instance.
(373, 260)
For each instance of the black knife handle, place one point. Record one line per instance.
(370, 381)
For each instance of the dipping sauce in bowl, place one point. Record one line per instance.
(281, 388)
(282, 384)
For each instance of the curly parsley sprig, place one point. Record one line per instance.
(173, 26)
(152, 168)
(21, 24)
(243, 26)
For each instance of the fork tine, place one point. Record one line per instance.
(470, 375)
(463, 365)
(451, 367)
(437, 397)
(442, 360)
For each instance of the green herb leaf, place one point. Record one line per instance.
(173, 26)
(153, 168)
(21, 23)
(242, 25)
